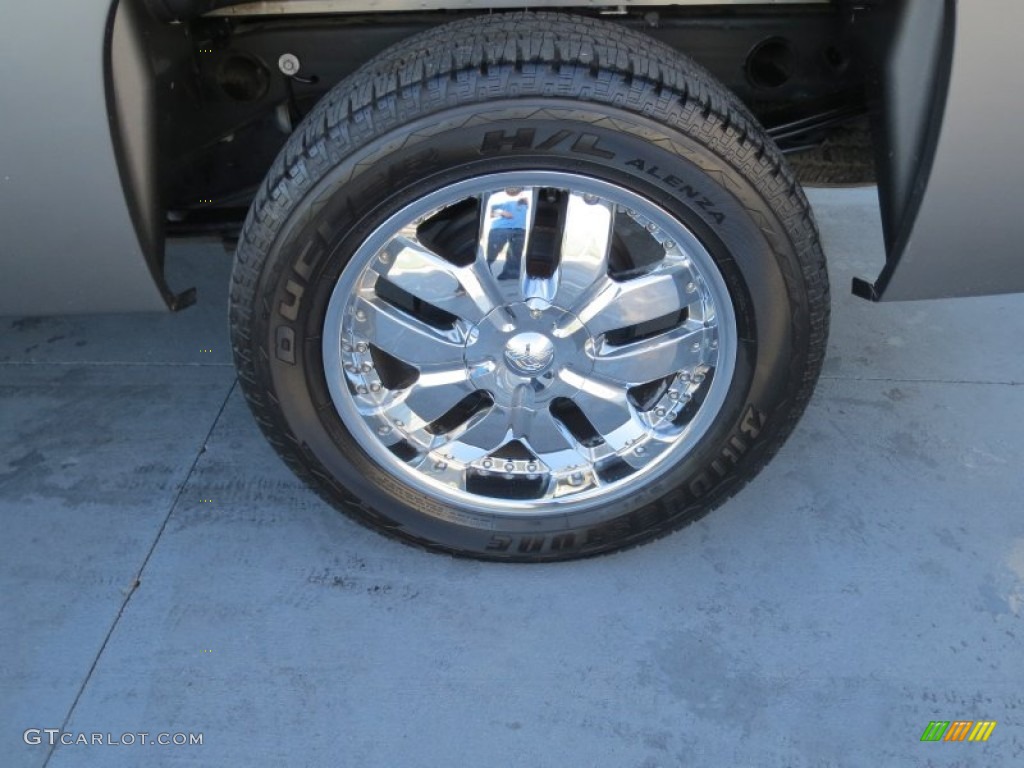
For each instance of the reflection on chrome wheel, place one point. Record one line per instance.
(528, 287)
(585, 352)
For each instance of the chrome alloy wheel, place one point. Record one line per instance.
(529, 343)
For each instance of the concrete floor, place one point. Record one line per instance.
(869, 581)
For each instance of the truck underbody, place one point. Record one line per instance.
(800, 68)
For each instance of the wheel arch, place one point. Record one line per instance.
(948, 153)
(71, 239)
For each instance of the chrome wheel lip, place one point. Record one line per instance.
(568, 501)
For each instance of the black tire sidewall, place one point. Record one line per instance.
(707, 191)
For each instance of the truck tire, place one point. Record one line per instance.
(528, 287)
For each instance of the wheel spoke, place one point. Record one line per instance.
(404, 336)
(419, 271)
(584, 254)
(437, 392)
(552, 443)
(394, 410)
(654, 358)
(483, 434)
(610, 305)
(505, 223)
(607, 407)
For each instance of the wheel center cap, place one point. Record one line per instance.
(529, 352)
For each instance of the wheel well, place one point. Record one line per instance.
(230, 89)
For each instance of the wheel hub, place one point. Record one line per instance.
(529, 353)
(539, 348)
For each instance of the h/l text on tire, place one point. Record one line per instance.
(589, 144)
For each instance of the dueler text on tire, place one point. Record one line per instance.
(528, 287)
